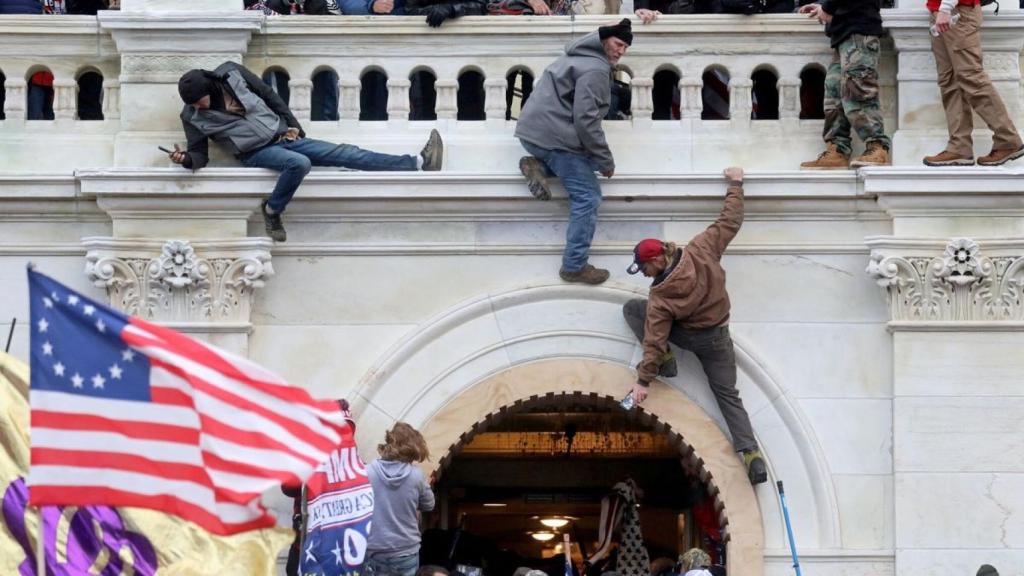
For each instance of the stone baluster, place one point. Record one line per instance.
(398, 98)
(789, 98)
(15, 103)
(642, 104)
(494, 98)
(111, 99)
(740, 99)
(349, 90)
(691, 103)
(447, 99)
(65, 99)
(301, 97)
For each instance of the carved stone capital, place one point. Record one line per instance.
(962, 283)
(180, 282)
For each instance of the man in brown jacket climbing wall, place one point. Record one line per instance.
(689, 307)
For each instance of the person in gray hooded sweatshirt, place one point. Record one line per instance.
(400, 493)
(560, 126)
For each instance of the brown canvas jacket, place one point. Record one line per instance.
(693, 294)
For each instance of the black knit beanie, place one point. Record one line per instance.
(193, 85)
(623, 31)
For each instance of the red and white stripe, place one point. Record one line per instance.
(218, 432)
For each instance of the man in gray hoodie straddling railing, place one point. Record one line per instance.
(560, 126)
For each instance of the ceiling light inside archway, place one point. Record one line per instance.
(554, 522)
(543, 536)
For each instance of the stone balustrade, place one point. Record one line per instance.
(140, 55)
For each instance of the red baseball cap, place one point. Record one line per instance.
(645, 251)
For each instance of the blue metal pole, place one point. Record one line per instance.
(789, 528)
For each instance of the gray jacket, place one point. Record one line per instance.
(564, 111)
(399, 492)
(266, 117)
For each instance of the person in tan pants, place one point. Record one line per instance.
(966, 88)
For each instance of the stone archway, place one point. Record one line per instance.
(479, 355)
(719, 467)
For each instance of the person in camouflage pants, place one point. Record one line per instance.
(851, 84)
(851, 94)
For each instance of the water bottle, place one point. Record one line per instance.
(628, 402)
(952, 22)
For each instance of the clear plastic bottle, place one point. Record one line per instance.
(952, 22)
(628, 402)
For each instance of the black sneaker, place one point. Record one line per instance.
(757, 471)
(272, 224)
(433, 152)
(669, 368)
(536, 178)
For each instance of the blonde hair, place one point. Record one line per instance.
(403, 443)
(669, 250)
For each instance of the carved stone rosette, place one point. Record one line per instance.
(179, 282)
(961, 285)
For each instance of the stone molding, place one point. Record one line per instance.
(168, 67)
(963, 283)
(178, 281)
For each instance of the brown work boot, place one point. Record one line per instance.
(830, 159)
(586, 275)
(947, 158)
(1000, 157)
(536, 177)
(875, 155)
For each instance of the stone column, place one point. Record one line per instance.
(157, 41)
(349, 89)
(642, 91)
(111, 99)
(789, 98)
(14, 101)
(922, 119)
(494, 98)
(953, 276)
(690, 100)
(398, 98)
(447, 99)
(299, 101)
(65, 99)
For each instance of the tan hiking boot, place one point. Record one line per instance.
(586, 275)
(830, 159)
(875, 155)
(532, 169)
(757, 472)
(947, 158)
(1000, 157)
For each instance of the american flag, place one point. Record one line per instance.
(127, 413)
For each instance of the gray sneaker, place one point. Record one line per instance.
(433, 152)
(273, 225)
(536, 177)
(586, 275)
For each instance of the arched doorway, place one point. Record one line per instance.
(493, 350)
(537, 469)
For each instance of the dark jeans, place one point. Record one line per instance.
(295, 158)
(577, 173)
(714, 349)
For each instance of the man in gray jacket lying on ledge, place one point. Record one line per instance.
(235, 109)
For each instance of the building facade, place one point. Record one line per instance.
(878, 315)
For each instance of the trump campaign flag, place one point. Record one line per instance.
(339, 504)
(128, 413)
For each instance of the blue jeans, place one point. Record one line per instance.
(394, 566)
(294, 159)
(577, 173)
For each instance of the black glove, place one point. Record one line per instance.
(438, 13)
